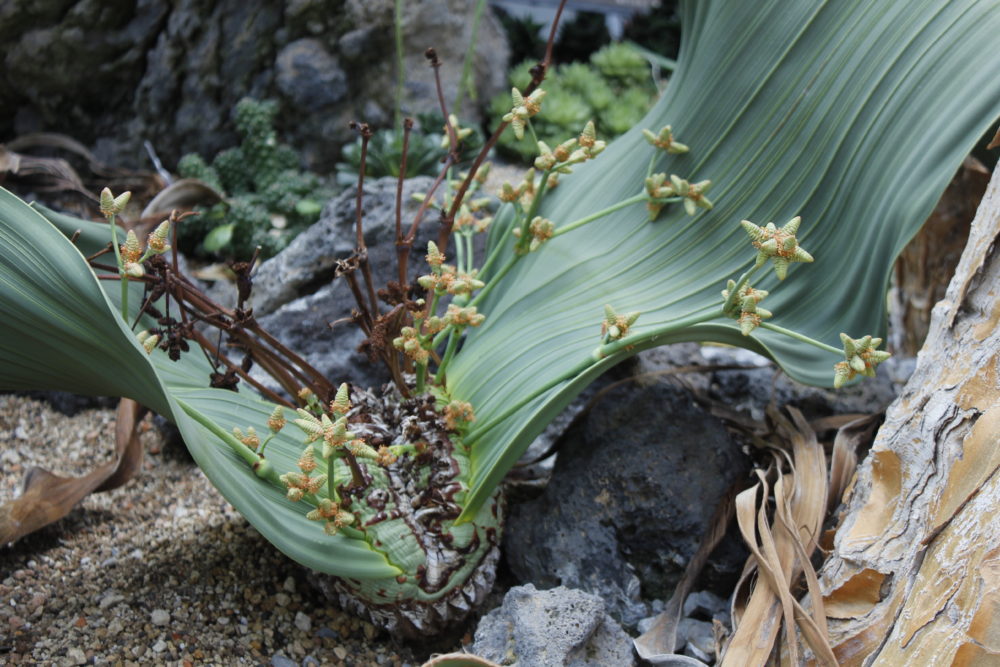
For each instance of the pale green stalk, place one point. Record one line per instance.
(449, 352)
(421, 377)
(600, 214)
(121, 267)
(739, 285)
(801, 337)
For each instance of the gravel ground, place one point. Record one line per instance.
(161, 571)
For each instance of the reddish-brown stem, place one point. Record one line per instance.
(357, 477)
(290, 378)
(552, 38)
(207, 345)
(431, 55)
(537, 76)
(418, 218)
(447, 221)
(402, 250)
(366, 322)
(362, 249)
(97, 254)
(318, 379)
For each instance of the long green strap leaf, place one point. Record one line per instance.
(62, 331)
(853, 115)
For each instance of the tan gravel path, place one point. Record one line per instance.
(161, 571)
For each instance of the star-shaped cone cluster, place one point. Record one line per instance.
(523, 108)
(330, 512)
(664, 140)
(743, 308)
(616, 326)
(777, 244)
(861, 358)
(658, 190)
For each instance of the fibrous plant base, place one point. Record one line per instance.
(407, 511)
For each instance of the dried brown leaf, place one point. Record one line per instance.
(183, 195)
(46, 497)
(781, 548)
(834, 422)
(10, 161)
(844, 459)
(754, 636)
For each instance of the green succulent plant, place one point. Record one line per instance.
(842, 121)
(615, 90)
(424, 152)
(268, 198)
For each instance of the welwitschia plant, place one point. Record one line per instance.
(832, 126)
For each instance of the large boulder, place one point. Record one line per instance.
(635, 486)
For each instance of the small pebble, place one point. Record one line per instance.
(340, 652)
(159, 617)
(289, 584)
(303, 622)
(114, 598)
(76, 656)
(278, 660)
(282, 599)
(160, 646)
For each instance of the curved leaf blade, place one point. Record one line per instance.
(853, 115)
(62, 331)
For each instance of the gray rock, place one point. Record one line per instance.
(303, 622)
(697, 634)
(159, 617)
(310, 260)
(302, 325)
(170, 71)
(635, 486)
(309, 76)
(552, 628)
(705, 604)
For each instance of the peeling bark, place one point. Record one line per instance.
(914, 577)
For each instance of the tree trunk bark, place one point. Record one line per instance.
(914, 577)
